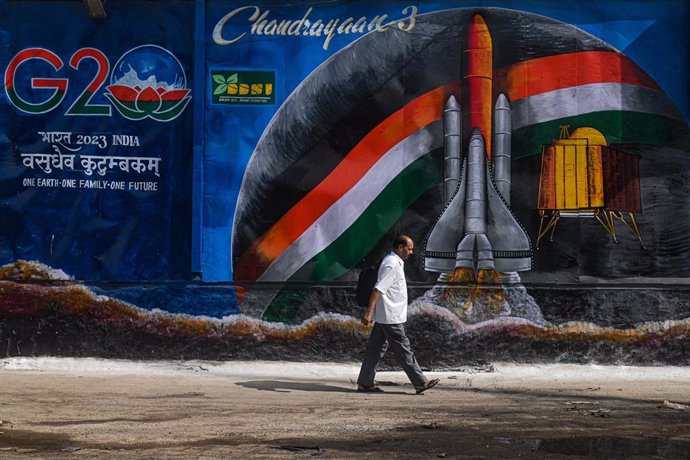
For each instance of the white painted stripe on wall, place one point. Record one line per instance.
(598, 97)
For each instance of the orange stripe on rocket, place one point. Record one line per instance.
(477, 80)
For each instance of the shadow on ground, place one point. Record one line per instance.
(286, 386)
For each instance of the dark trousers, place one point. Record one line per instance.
(382, 337)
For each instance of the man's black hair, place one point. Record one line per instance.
(401, 239)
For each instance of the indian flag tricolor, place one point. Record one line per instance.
(602, 89)
(378, 166)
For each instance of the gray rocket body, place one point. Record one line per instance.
(477, 229)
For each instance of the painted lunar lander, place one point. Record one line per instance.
(582, 177)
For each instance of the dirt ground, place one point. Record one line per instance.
(97, 409)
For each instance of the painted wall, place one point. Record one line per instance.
(209, 178)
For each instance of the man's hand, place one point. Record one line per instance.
(366, 318)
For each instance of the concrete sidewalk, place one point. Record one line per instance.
(342, 372)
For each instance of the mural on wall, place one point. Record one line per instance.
(438, 130)
(533, 152)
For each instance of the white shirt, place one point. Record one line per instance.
(391, 307)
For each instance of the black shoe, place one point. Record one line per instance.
(429, 384)
(372, 389)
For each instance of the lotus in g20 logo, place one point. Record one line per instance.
(148, 81)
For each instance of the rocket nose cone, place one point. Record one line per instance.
(476, 138)
(478, 36)
(478, 21)
(502, 102)
(452, 103)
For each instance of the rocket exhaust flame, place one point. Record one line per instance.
(459, 289)
(462, 276)
(467, 296)
(487, 277)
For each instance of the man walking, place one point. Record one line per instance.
(388, 310)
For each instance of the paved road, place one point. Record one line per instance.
(102, 409)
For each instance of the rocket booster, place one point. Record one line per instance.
(502, 136)
(477, 79)
(452, 145)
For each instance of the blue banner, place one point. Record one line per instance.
(95, 138)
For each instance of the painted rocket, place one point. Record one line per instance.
(477, 229)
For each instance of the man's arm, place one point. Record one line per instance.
(369, 315)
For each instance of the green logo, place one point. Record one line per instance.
(243, 87)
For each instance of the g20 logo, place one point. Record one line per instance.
(146, 82)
